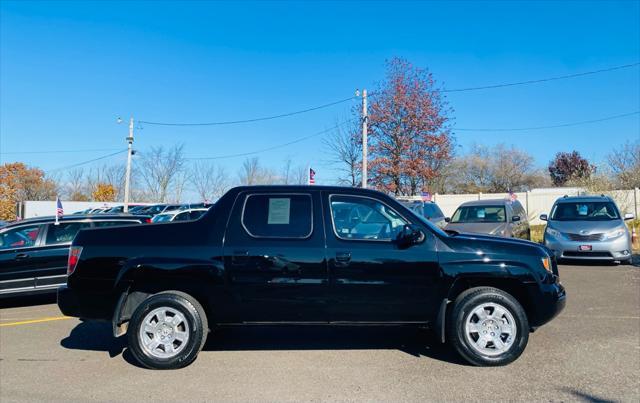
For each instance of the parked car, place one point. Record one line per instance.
(309, 254)
(159, 208)
(496, 217)
(180, 215)
(428, 210)
(588, 227)
(120, 209)
(34, 252)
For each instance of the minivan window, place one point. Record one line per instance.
(431, 210)
(22, 237)
(479, 214)
(360, 218)
(585, 211)
(278, 215)
(64, 232)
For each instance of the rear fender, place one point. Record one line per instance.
(141, 278)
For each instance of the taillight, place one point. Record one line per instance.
(148, 220)
(74, 257)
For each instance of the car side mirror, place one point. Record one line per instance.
(515, 218)
(544, 217)
(629, 216)
(447, 219)
(410, 235)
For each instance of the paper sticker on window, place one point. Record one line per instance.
(481, 213)
(279, 211)
(582, 209)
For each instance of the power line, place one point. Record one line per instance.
(86, 162)
(232, 122)
(541, 80)
(58, 151)
(276, 146)
(551, 126)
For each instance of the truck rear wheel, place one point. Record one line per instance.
(488, 327)
(167, 330)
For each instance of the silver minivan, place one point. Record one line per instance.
(588, 227)
(499, 217)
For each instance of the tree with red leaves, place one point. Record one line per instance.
(569, 166)
(410, 137)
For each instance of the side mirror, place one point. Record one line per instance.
(515, 218)
(629, 216)
(410, 235)
(544, 217)
(447, 219)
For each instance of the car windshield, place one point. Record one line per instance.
(162, 218)
(479, 214)
(585, 211)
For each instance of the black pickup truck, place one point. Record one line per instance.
(309, 255)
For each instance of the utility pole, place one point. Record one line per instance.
(127, 179)
(364, 138)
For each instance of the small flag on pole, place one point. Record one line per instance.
(426, 196)
(312, 176)
(512, 196)
(59, 209)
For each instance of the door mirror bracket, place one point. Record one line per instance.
(410, 235)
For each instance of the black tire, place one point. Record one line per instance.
(463, 310)
(193, 314)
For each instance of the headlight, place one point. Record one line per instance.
(546, 263)
(553, 232)
(615, 233)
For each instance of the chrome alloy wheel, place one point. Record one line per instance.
(164, 333)
(490, 329)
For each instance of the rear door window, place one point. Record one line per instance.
(278, 215)
(64, 232)
(22, 237)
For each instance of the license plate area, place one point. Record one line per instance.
(585, 248)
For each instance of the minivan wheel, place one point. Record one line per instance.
(167, 330)
(488, 327)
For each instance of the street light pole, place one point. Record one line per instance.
(127, 179)
(364, 138)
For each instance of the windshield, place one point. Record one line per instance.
(162, 218)
(479, 214)
(585, 211)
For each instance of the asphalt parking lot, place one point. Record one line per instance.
(591, 352)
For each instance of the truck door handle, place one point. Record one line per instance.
(343, 259)
(22, 256)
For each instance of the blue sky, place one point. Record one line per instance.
(68, 69)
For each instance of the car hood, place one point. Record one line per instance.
(585, 227)
(477, 227)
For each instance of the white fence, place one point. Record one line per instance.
(538, 201)
(28, 209)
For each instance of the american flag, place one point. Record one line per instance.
(312, 176)
(512, 196)
(59, 209)
(426, 196)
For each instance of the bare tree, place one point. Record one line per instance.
(345, 148)
(209, 180)
(159, 169)
(75, 185)
(252, 173)
(625, 164)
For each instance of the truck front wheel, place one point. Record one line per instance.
(488, 327)
(167, 330)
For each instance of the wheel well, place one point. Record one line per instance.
(140, 291)
(510, 286)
